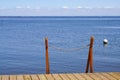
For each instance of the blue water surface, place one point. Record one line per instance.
(22, 49)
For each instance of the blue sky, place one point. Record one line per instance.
(59, 7)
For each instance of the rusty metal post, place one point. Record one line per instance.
(90, 57)
(47, 56)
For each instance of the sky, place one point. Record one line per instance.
(59, 7)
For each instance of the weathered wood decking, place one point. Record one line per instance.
(74, 76)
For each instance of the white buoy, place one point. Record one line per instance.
(105, 41)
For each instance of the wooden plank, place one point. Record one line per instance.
(34, 77)
(94, 76)
(72, 77)
(79, 77)
(76, 76)
(20, 77)
(64, 77)
(108, 76)
(118, 73)
(86, 76)
(42, 77)
(114, 75)
(5, 77)
(49, 77)
(12, 77)
(101, 76)
(57, 77)
(27, 77)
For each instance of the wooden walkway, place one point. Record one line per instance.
(74, 76)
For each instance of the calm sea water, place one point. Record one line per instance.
(22, 49)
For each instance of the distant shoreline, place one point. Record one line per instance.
(60, 16)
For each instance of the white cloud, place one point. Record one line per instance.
(88, 7)
(37, 8)
(65, 7)
(18, 7)
(79, 7)
(108, 7)
(28, 7)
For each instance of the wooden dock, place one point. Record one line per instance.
(74, 76)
